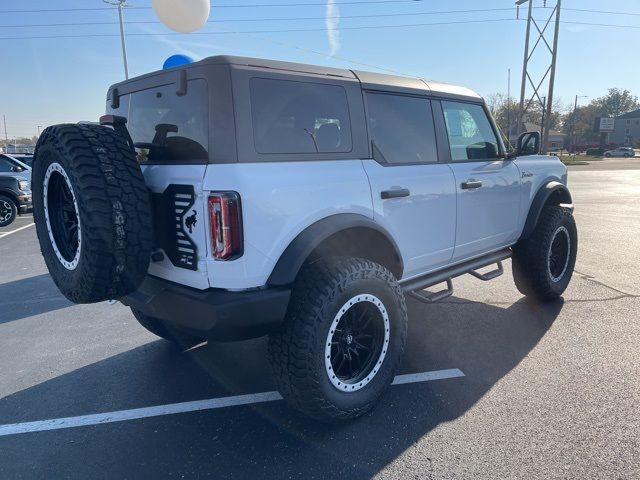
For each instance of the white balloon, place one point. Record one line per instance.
(182, 16)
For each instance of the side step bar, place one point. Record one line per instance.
(414, 286)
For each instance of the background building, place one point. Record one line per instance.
(626, 130)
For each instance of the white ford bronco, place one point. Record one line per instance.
(235, 197)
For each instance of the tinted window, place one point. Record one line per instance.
(166, 127)
(299, 117)
(5, 165)
(401, 128)
(470, 134)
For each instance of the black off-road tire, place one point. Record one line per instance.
(96, 171)
(155, 326)
(532, 264)
(297, 351)
(8, 204)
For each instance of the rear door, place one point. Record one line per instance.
(413, 195)
(487, 185)
(171, 135)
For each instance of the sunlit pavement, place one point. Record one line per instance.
(548, 391)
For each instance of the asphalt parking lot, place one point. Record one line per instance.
(538, 391)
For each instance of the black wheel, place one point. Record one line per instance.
(543, 264)
(92, 212)
(156, 327)
(626, 155)
(607, 155)
(342, 340)
(8, 211)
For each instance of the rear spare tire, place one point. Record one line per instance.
(92, 212)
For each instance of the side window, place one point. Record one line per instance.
(470, 134)
(401, 128)
(5, 165)
(299, 117)
(165, 127)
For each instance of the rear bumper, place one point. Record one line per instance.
(214, 313)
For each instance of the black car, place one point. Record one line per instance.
(15, 197)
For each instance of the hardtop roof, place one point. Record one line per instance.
(372, 80)
(369, 80)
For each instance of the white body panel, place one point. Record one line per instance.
(488, 217)
(537, 170)
(422, 224)
(279, 200)
(437, 225)
(157, 179)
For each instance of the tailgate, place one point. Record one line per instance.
(179, 223)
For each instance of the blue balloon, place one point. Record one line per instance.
(176, 60)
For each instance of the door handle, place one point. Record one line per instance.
(471, 184)
(396, 193)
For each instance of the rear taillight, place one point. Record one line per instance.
(225, 218)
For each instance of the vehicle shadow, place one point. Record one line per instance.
(266, 440)
(30, 296)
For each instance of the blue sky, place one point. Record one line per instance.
(53, 80)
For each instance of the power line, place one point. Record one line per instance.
(296, 30)
(297, 4)
(342, 17)
(363, 27)
(246, 5)
(607, 12)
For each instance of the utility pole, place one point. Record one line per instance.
(509, 106)
(550, 71)
(39, 127)
(121, 4)
(574, 120)
(544, 105)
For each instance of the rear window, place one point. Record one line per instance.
(299, 117)
(166, 127)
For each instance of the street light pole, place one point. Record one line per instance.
(121, 4)
(39, 127)
(6, 138)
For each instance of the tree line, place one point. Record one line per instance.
(581, 123)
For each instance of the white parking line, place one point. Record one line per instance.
(198, 405)
(6, 234)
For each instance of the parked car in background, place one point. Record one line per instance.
(15, 197)
(10, 164)
(26, 158)
(626, 152)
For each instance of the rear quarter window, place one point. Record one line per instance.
(299, 117)
(166, 127)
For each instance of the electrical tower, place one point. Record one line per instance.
(535, 80)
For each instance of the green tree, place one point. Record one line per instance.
(616, 102)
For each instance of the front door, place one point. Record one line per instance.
(413, 195)
(487, 185)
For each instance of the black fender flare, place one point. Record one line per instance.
(544, 194)
(297, 252)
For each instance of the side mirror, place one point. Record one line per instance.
(528, 144)
(17, 169)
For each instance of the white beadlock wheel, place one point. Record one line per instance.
(350, 342)
(62, 216)
(559, 254)
(338, 304)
